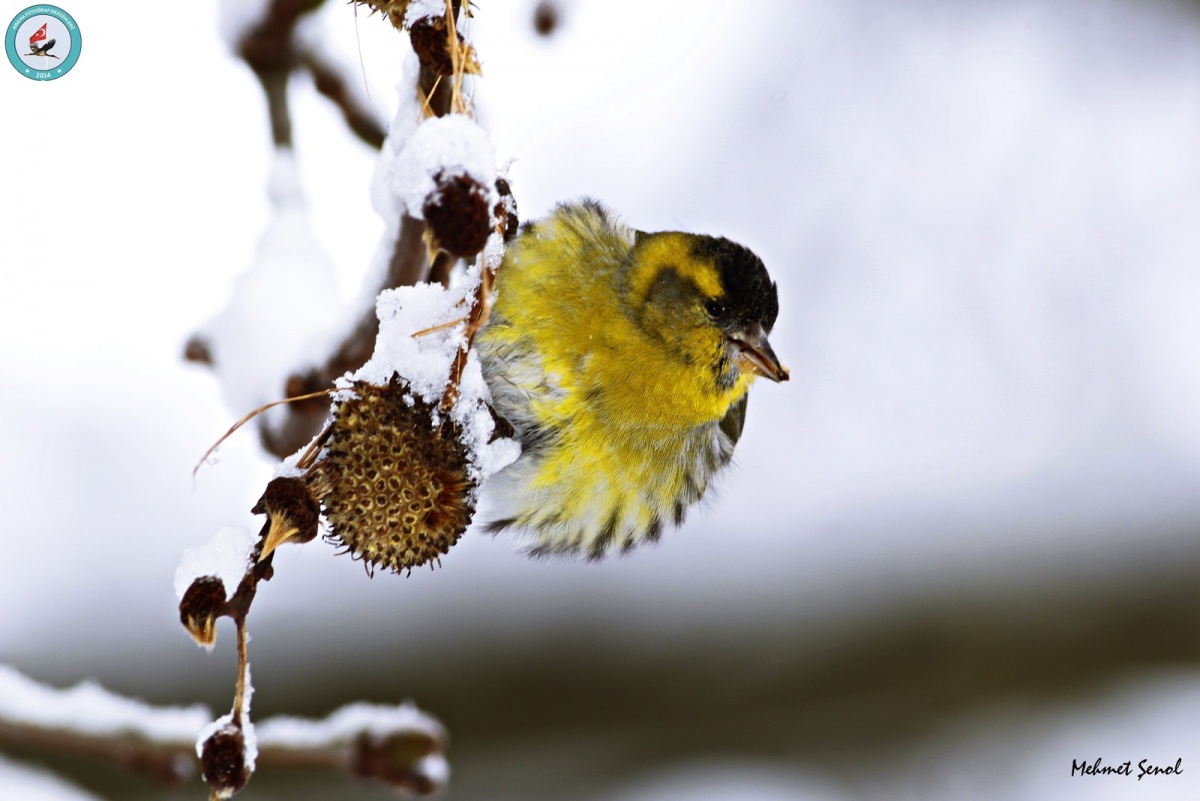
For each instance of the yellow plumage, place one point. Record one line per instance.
(622, 361)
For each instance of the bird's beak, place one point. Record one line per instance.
(752, 354)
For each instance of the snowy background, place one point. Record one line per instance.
(959, 549)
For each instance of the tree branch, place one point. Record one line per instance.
(332, 84)
(397, 745)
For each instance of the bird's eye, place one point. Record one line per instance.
(714, 308)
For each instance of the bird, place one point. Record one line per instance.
(42, 50)
(621, 360)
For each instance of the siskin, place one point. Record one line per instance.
(622, 360)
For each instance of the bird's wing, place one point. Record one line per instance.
(735, 419)
(46, 47)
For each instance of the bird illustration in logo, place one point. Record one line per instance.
(36, 49)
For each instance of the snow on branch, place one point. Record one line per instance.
(399, 746)
(88, 720)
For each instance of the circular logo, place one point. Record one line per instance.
(42, 43)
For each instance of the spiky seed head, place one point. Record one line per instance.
(398, 490)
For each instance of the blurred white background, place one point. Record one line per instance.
(958, 550)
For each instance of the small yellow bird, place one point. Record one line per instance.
(622, 360)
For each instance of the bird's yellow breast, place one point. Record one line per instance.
(571, 294)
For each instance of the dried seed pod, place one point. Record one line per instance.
(200, 607)
(292, 510)
(458, 214)
(397, 491)
(223, 761)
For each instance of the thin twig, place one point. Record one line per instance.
(427, 98)
(333, 85)
(309, 457)
(456, 58)
(435, 328)
(239, 696)
(480, 311)
(248, 417)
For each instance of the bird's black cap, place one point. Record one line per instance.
(750, 295)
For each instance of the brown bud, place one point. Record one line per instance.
(429, 41)
(432, 45)
(458, 215)
(398, 759)
(197, 350)
(200, 607)
(545, 17)
(223, 761)
(292, 510)
(398, 490)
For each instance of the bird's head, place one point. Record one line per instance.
(710, 301)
